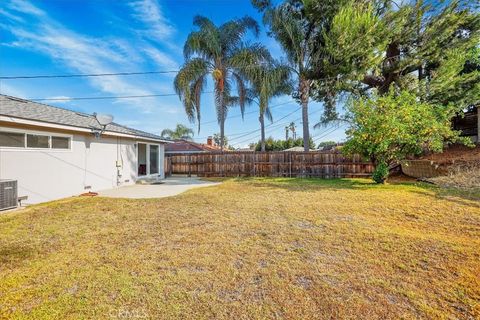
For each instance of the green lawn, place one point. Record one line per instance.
(247, 249)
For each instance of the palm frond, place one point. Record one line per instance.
(232, 32)
(205, 42)
(190, 78)
(242, 91)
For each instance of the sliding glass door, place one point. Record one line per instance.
(142, 159)
(154, 157)
(148, 159)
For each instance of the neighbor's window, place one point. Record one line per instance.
(60, 142)
(38, 141)
(12, 139)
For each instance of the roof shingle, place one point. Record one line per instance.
(30, 110)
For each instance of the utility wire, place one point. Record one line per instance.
(275, 127)
(249, 112)
(239, 115)
(269, 125)
(43, 76)
(108, 97)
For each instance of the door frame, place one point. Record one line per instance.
(147, 158)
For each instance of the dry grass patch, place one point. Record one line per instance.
(247, 249)
(465, 175)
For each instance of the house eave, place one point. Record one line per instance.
(15, 120)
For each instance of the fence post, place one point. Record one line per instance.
(189, 169)
(290, 164)
(253, 160)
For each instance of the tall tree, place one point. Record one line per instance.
(180, 132)
(269, 79)
(416, 46)
(288, 24)
(221, 52)
(293, 127)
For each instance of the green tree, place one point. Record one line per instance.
(325, 144)
(288, 24)
(180, 132)
(417, 46)
(280, 145)
(388, 128)
(221, 52)
(217, 138)
(269, 79)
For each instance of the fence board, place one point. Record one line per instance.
(268, 164)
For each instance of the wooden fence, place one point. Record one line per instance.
(268, 164)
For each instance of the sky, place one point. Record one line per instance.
(61, 37)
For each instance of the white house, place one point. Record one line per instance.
(55, 153)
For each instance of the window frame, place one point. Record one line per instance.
(15, 132)
(25, 132)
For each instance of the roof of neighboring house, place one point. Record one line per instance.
(296, 149)
(30, 110)
(189, 146)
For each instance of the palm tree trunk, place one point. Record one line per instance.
(304, 95)
(221, 102)
(262, 128)
(222, 130)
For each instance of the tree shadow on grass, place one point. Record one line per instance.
(464, 197)
(459, 196)
(13, 253)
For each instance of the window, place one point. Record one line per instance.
(38, 141)
(31, 140)
(12, 139)
(60, 142)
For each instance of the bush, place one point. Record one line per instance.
(380, 174)
(387, 129)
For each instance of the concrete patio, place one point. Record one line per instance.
(169, 187)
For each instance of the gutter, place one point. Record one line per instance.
(15, 120)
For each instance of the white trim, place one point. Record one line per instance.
(73, 128)
(147, 160)
(25, 132)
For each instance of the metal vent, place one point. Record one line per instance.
(8, 194)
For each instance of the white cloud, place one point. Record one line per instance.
(161, 59)
(25, 7)
(10, 90)
(150, 13)
(10, 16)
(80, 53)
(60, 99)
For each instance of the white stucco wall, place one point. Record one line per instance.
(45, 175)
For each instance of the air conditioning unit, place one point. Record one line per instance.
(8, 194)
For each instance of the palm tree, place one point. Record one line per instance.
(289, 26)
(221, 52)
(269, 79)
(180, 132)
(292, 126)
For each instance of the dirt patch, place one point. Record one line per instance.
(453, 154)
(460, 175)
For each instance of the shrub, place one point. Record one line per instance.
(387, 129)
(380, 174)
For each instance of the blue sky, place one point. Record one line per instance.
(72, 37)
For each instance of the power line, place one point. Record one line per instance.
(239, 115)
(108, 97)
(327, 133)
(250, 112)
(277, 126)
(44, 76)
(269, 125)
